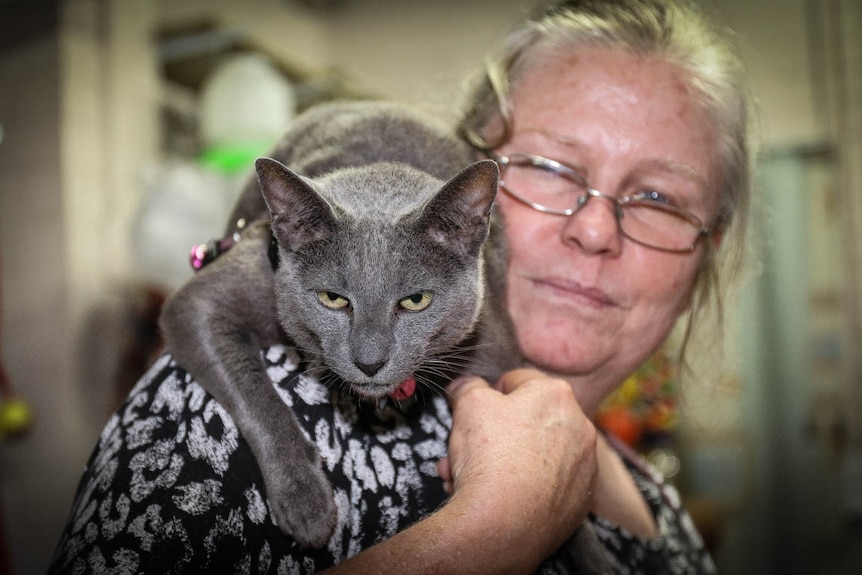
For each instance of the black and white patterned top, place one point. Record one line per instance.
(173, 488)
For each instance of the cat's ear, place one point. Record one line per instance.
(459, 215)
(299, 213)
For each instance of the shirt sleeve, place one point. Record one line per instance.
(170, 487)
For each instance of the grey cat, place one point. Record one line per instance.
(371, 257)
(369, 254)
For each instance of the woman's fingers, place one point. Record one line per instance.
(512, 380)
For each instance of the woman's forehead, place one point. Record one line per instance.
(607, 101)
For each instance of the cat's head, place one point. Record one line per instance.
(380, 266)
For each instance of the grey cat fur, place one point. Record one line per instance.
(367, 211)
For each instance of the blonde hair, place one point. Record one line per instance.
(677, 32)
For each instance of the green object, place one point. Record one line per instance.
(15, 416)
(232, 159)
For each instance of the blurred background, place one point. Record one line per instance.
(125, 126)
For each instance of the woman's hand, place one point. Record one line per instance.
(523, 456)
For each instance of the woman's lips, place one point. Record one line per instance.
(574, 291)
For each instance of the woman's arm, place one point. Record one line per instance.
(523, 465)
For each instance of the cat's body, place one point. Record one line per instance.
(382, 276)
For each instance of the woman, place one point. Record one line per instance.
(620, 129)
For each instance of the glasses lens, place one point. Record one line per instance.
(658, 225)
(543, 182)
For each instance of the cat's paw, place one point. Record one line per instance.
(304, 505)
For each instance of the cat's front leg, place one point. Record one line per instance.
(299, 493)
(215, 326)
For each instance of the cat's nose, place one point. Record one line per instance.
(370, 369)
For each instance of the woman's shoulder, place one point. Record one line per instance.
(170, 471)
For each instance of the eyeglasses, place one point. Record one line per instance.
(644, 217)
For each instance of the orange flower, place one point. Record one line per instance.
(620, 422)
(645, 402)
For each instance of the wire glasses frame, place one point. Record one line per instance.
(644, 217)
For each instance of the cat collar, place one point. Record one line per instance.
(203, 254)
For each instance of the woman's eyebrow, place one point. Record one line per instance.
(673, 167)
(656, 164)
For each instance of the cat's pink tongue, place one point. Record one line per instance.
(404, 390)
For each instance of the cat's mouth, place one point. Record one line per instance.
(401, 392)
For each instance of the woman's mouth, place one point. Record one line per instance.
(571, 290)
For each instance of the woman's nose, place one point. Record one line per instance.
(594, 227)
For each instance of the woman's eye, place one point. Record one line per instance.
(545, 180)
(652, 196)
(332, 300)
(416, 302)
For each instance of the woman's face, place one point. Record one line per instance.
(588, 303)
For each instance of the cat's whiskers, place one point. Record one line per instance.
(440, 366)
(316, 370)
(430, 382)
(457, 361)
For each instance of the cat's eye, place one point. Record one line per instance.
(417, 301)
(332, 300)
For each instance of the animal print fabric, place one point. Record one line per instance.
(172, 487)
